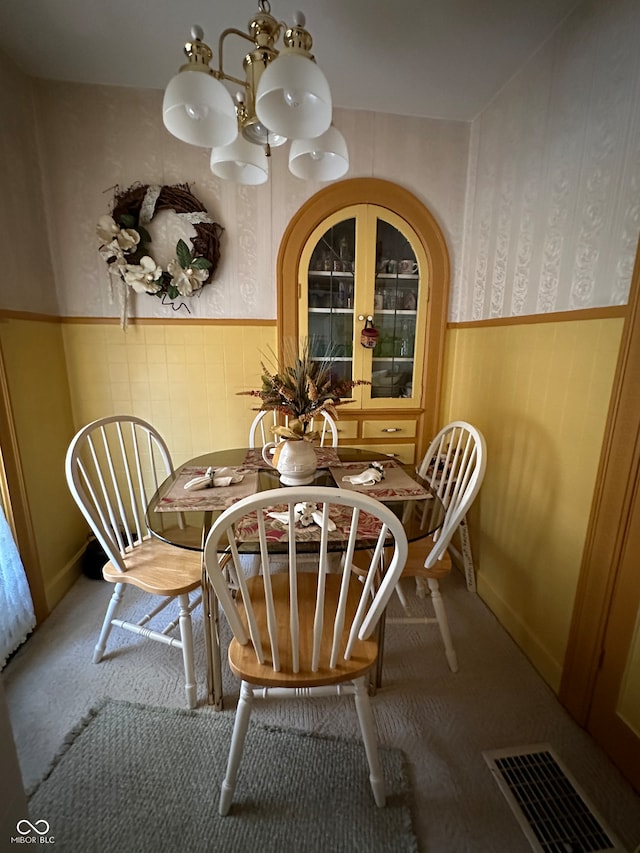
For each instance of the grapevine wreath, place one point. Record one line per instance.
(125, 244)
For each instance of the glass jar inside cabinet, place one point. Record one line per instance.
(365, 266)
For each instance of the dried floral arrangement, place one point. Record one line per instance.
(302, 387)
(125, 243)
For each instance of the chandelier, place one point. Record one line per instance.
(284, 96)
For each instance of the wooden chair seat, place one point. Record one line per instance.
(418, 554)
(158, 568)
(415, 565)
(243, 661)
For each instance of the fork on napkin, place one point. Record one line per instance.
(214, 478)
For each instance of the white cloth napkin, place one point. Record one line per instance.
(305, 514)
(214, 479)
(366, 478)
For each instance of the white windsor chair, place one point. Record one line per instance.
(454, 467)
(113, 467)
(259, 434)
(300, 633)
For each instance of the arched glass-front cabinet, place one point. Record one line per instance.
(367, 266)
(365, 262)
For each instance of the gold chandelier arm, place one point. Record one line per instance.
(220, 73)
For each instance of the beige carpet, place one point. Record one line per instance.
(441, 721)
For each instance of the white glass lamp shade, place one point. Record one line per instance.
(198, 109)
(323, 159)
(293, 97)
(241, 162)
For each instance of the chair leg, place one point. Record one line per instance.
(368, 728)
(114, 604)
(467, 556)
(421, 588)
(186, 637)
(402, 597)
(443, 623)
(240, 726)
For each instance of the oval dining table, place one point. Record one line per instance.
(183, 518)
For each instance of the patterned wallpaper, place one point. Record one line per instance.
(537, 198)
(98, 137)
(27, 278)
(553, 207)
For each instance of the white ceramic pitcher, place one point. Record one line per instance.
(296, 461)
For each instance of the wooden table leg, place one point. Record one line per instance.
(211, 631)
(378, 671)
(375, 676)
(212, 643)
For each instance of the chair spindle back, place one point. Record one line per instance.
(345, 611)
(454, 467)
(114, 466)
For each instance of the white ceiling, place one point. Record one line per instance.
(435, 58)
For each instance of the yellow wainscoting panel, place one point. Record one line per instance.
(183, 378)
(540, 394)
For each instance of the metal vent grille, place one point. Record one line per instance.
(554, 814)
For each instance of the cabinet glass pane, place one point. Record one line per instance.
(396, 296)
(330, 297)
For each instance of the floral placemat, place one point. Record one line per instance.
(327, 457)
(396, 483)
(210, 498)
(277, 531)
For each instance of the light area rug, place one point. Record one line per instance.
(136, 777)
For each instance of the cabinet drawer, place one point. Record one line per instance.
(404, 453)
(392, 428)
(346, 430)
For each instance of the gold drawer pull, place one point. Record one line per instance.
(392, 429)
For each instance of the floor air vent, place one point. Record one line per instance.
(554, 814)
